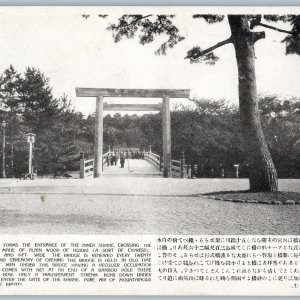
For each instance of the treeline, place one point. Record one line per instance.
(28, 106)
(208, 132)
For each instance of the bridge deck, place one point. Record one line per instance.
(133, 167)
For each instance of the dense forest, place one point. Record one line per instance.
(207, 131)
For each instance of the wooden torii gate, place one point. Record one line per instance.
(164, 94)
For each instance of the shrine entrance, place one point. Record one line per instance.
(164, 107)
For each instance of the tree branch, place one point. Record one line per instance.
(275, 28)
(218, 45)
(210, 49)
(257, 36)
(139, 19)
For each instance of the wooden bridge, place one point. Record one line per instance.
(148, 165)
(168, 166)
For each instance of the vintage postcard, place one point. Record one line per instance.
(150, 150)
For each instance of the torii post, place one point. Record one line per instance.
(164, 94)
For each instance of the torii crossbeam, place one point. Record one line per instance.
(164, 94)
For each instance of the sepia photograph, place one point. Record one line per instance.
(149, 121)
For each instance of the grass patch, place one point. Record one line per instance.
(278, 198)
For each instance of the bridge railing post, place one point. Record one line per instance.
(81, 164)
(189, 171)
(195, 170)
(160, 163)
(108, 157)
(182, 166)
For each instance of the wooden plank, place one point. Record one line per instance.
(88, 161)
(87, 169)
(145, 93)
(177, 169)
(175, 161)
(153, 154)
(132, 107)
(166, 120)
(98, 138)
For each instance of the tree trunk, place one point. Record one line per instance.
(262, 173)
(12, 145)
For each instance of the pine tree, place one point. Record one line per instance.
(262, 175)
(10, 101)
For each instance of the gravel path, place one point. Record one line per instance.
(138, 206)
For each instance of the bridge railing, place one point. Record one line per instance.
(178, 167)
(87, 165)
(86, 168)
(153, 158)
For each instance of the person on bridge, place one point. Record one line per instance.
(108, 159)
(116, 157)
(122, 159)
(113, 159)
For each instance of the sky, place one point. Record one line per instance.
(76, 52)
